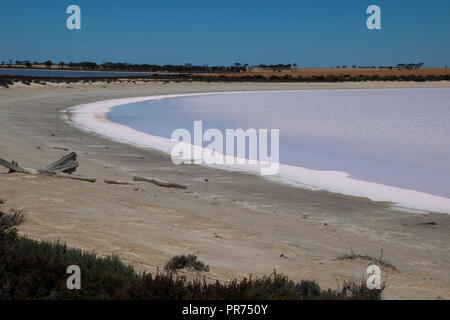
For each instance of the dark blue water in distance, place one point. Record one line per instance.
(68, 73)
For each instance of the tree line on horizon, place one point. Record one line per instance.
(124, 66)
(187, 67)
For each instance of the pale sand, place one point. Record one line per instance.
(237, 223)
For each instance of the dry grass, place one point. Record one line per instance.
(365, 257)
(10, 219)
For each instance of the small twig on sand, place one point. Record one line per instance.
(80, 178)
(160, 183)
(109, 181)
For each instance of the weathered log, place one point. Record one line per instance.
(160, 183)
(60, 168)
(80, 178)
(67, 164)
(68, 167)
(109, 181)
(13, 167)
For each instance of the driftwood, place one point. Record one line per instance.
(160, 183)
(109, 181)
(13, 167)
(80, 178)
(67, 164)
(60, 168)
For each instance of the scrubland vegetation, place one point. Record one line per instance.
(32, 269)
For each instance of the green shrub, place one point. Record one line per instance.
(183, 261)
(274, 287)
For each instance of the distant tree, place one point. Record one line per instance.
(18, 62)
(27, 63)
(410, 66)
(61, 65)
(236, 67)
(3, 63)
(48, 63)
(87, 65)
(295, 65)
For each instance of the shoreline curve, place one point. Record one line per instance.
(91, 118)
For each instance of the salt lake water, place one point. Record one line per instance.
(394, 137)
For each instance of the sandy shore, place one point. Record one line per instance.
(237, 223)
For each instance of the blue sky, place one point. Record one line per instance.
(310, 33)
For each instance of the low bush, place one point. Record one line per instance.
(183, 261)
(273, 287)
